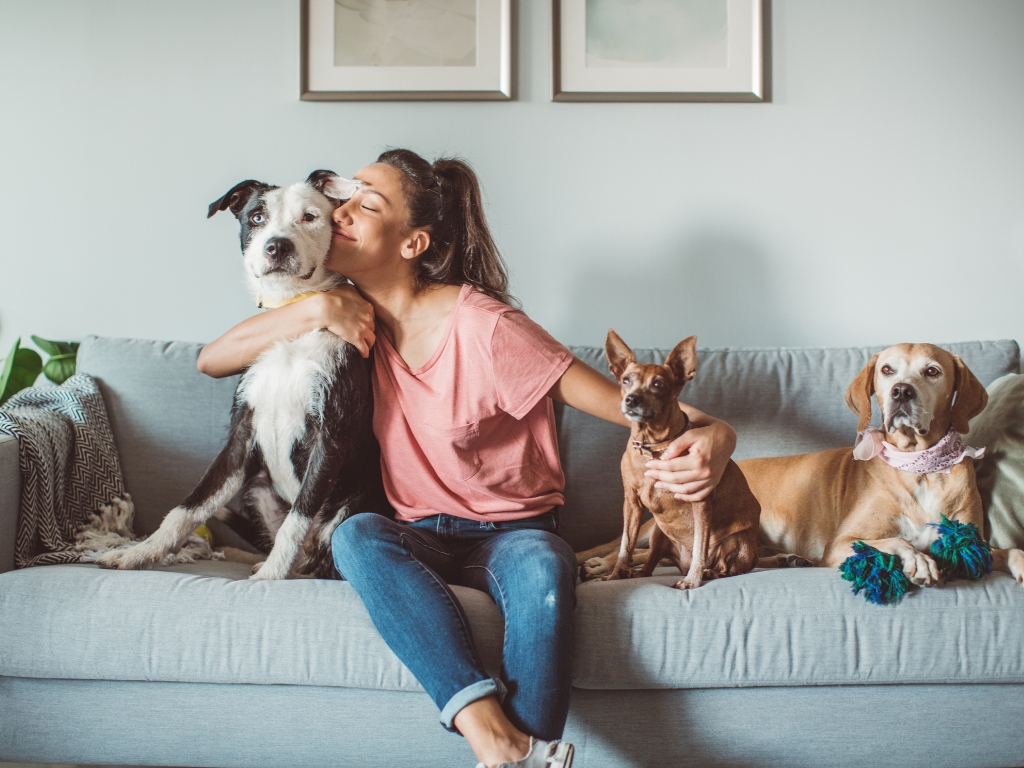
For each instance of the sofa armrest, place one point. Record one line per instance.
(10, 500)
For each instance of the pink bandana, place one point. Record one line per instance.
(945, 454)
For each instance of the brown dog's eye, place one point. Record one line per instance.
(625, 381)
(932, 371)
(657, 383)
(886, 370)
(309, 217)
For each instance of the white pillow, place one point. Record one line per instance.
(1000, 428)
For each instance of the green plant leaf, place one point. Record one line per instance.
(21, 369)
(61, 365)
(60, 368)
(56, 347)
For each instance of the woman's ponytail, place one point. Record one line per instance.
(444, 198)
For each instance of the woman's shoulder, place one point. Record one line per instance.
(476, 299)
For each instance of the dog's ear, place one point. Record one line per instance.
(682, 360)
(858, 396)
(330, 184)
(619, 354)
(969, 397)
(236, 197)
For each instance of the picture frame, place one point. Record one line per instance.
(404, 50)
(642, 50)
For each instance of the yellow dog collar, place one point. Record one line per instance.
(272, 304)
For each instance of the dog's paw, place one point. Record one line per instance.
(263, 572)
(920, 568)
(615, 575)
(132, 559)
(1015, 561)
(688, 583)
(593, 568)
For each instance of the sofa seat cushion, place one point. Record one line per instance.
(793, 627)
(205, 623)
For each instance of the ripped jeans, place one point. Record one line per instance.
(402, 571)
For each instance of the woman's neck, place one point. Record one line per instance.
(413, 320)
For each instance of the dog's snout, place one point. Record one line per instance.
(278, 248)
(903, 393)
(631, 401)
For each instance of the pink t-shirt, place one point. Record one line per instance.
(471, 433)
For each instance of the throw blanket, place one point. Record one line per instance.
(73, 502)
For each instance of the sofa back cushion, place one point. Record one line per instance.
(169, 420)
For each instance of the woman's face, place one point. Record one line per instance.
(370, 235)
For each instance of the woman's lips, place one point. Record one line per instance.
(342, 234)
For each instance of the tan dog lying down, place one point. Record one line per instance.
(709, 539)
(814, 506)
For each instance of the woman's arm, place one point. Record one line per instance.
(341, 311)
(693, 463)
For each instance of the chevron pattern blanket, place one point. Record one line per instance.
(74, 505)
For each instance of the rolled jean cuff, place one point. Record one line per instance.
(469, 694)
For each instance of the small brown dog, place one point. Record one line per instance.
(709, 539)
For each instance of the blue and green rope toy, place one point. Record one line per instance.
(960, 552)
(878, 574)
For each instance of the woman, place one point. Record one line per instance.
(462, 389)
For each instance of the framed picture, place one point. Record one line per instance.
(406, 49)
(660, 50)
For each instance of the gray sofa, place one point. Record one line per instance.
(195, 665)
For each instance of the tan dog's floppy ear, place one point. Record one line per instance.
(619, 354)
(858, 396)
(969, 397)
(682, 360)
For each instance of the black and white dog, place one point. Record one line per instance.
(301, 444)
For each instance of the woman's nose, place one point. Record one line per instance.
(341, 212)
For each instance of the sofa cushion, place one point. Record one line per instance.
(168, 419)
(793, 627)
(1000, 429)
(205, 623)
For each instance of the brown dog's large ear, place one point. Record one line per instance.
(619, 354)
(682, 360)
(858, 396)
(969, 397)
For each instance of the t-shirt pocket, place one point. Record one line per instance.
(452, 451)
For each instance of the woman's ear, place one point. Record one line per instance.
(969, 398)
(858, 396)
(415, 244)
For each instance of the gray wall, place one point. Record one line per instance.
(879, 198)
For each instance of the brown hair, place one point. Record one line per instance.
(444, 199)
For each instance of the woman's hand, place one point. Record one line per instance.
(347, 315)
(694, 462)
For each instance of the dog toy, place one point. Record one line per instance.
(960, 551)
(878, 574)
(204, 533)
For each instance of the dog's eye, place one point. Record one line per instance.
(657, 383)
(932, 371)
(257, 218)
(309, 217)
(625, 380)
(886, 370)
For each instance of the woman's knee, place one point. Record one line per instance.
(355, 538)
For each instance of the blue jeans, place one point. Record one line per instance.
(402, 572)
